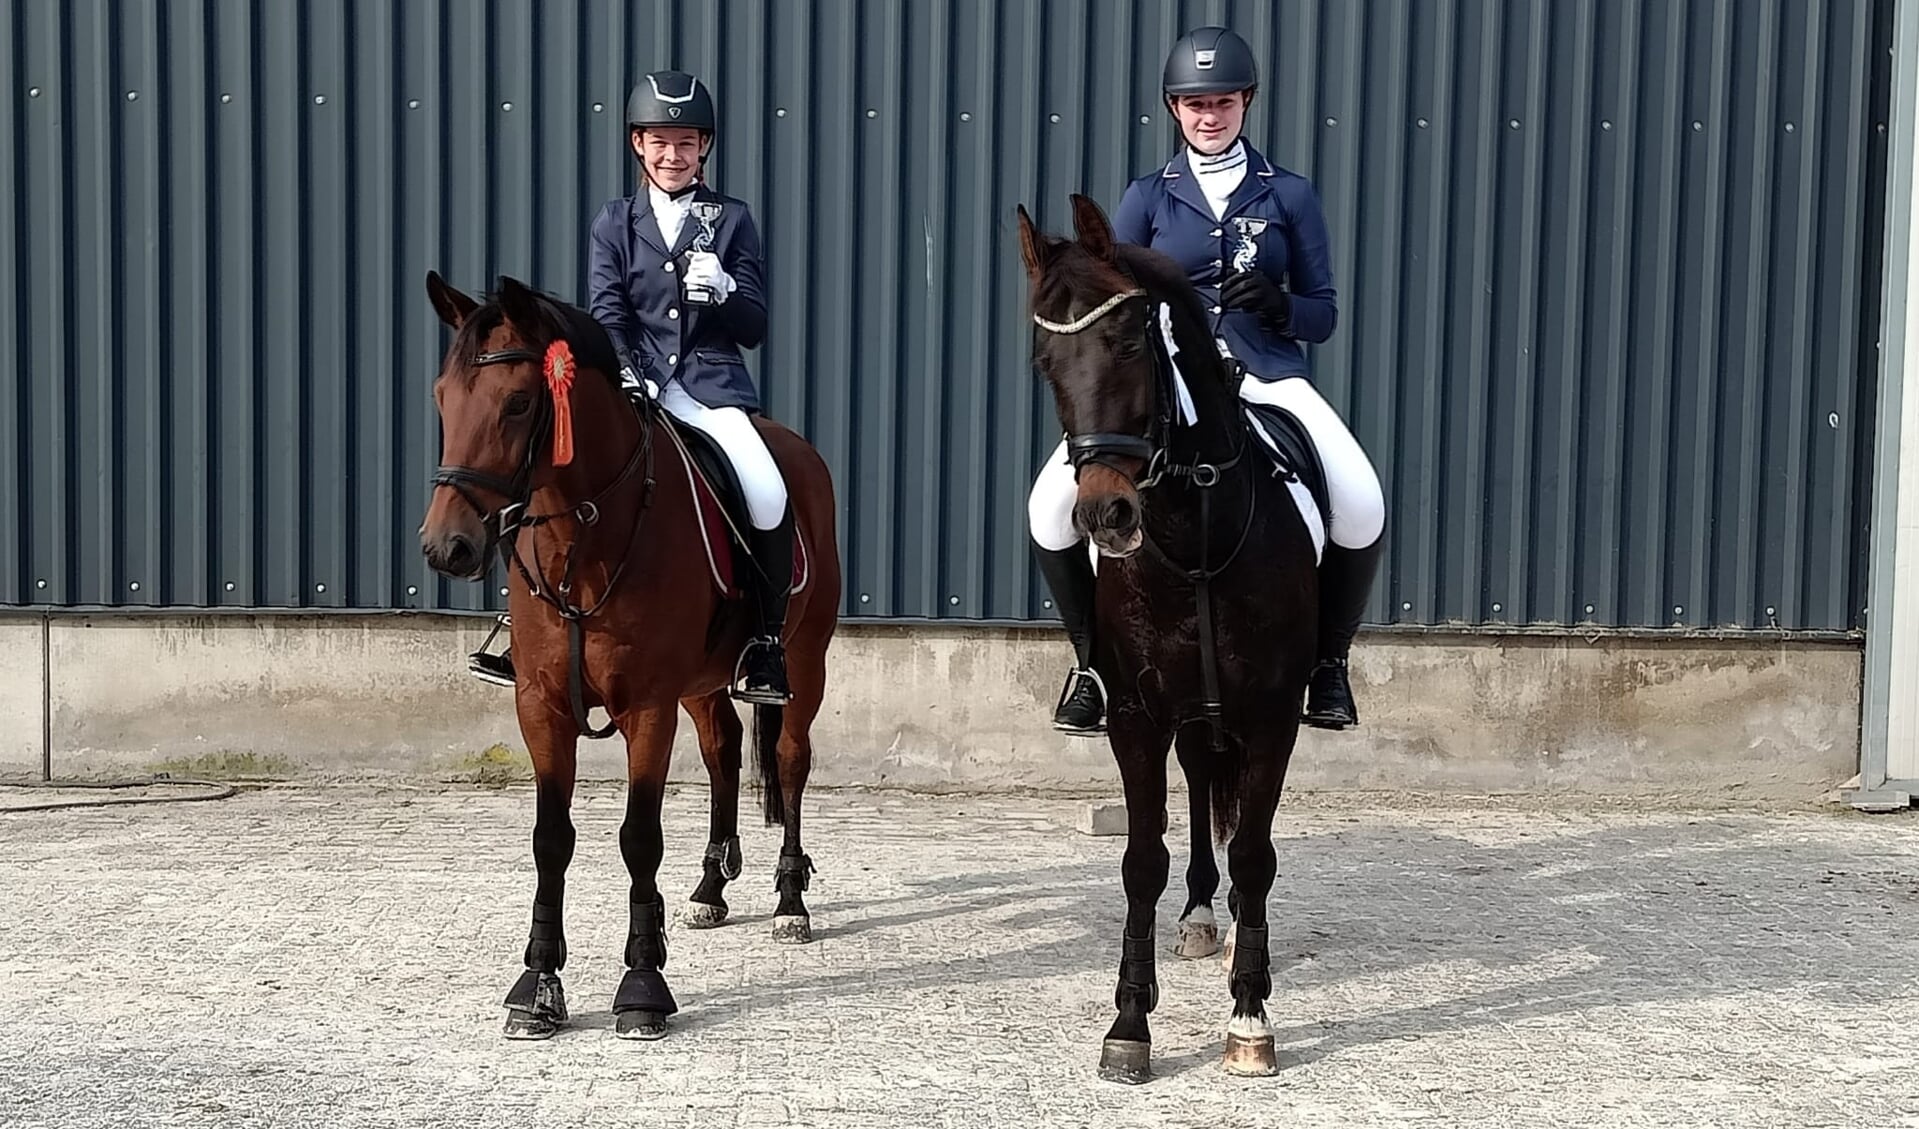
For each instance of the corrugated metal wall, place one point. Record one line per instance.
(1607, 276)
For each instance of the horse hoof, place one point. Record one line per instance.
(794, 929)
(1198, 937)
(643, 1025)
(535, 1007)
(530, 1026)
(700, 915)
(1249, 1047)
(1127, 1061)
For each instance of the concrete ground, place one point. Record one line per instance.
(336, 957)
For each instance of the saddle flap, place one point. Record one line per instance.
(721, 502)
(1289, 447)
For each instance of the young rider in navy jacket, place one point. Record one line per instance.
(1253, 241)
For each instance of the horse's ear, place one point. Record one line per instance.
(452, 306)
(520, 307)
(1032, 249)
(1094, 231)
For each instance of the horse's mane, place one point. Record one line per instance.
(1164, 280)
(558, 319)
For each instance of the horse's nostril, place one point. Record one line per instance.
(1120, 514)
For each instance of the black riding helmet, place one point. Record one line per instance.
(671, 98)
(1210, 60)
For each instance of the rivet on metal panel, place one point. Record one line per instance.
(1513, 124)
(780, 112)
(1406, 606)
(1606, 125)
(1047, 604)
(872, 113)
(134, 587)
(133, 95)
(1145, 119)
(1697, 126)
(225, 99)
(502, 591)
(412, 103)
(1789, 127)
(1770, 610)
(1054, 118)
(319, 588)
(412, 590)
(319, 99)
(229, 585)
(1497, 609)
(1332, 121)
(865, 599)
(507, 106)
(1678, 610)
(965, 116)
(1423, 123)
(1832, 421)
(599, 107)
(1590, 609)
(953, 600)
(39, 584)
(34, 92)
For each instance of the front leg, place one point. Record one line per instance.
(644, 1001)
(536, 1005)
(1140, 749)
(721, 734)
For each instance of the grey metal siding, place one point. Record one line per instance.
(1607, 277)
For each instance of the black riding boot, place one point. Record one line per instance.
(1069, 574)
(1345, 581)
(762, 679)
(497, 669)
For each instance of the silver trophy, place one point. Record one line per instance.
(707, 215)
(1246, 254)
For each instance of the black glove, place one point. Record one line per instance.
(1253, 290)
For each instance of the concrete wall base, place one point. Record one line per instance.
(936, 708)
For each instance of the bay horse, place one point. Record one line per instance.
(1205, 614)
(590, 494)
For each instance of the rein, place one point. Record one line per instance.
(1156, 449)
(506, 522)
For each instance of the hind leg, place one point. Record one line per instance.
(785, 752)
(1198, 934)
(721, 734)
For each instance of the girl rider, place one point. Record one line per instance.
(1254, 243)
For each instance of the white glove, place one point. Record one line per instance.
(703, 270)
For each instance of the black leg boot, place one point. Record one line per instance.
(1069, 575)
(497, 669)
(762, 678)
(1345, 581)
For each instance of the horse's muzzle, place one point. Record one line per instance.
(1112, 521)
(454, 554)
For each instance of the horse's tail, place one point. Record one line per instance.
(1227, 766)
(767, 723)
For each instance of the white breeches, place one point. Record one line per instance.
(733, 430)
(1359, 505)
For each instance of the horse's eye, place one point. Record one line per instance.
(1130, 348)
(518, 404)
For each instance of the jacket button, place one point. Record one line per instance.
(669, 266)
(674, 312)
(1217, 263)
(672, 358)
(1218, 231)
(1216, 309)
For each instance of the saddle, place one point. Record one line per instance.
(1289, 447)
(722, 511)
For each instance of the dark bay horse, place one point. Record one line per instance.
(615, 604)
(1206, 607)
